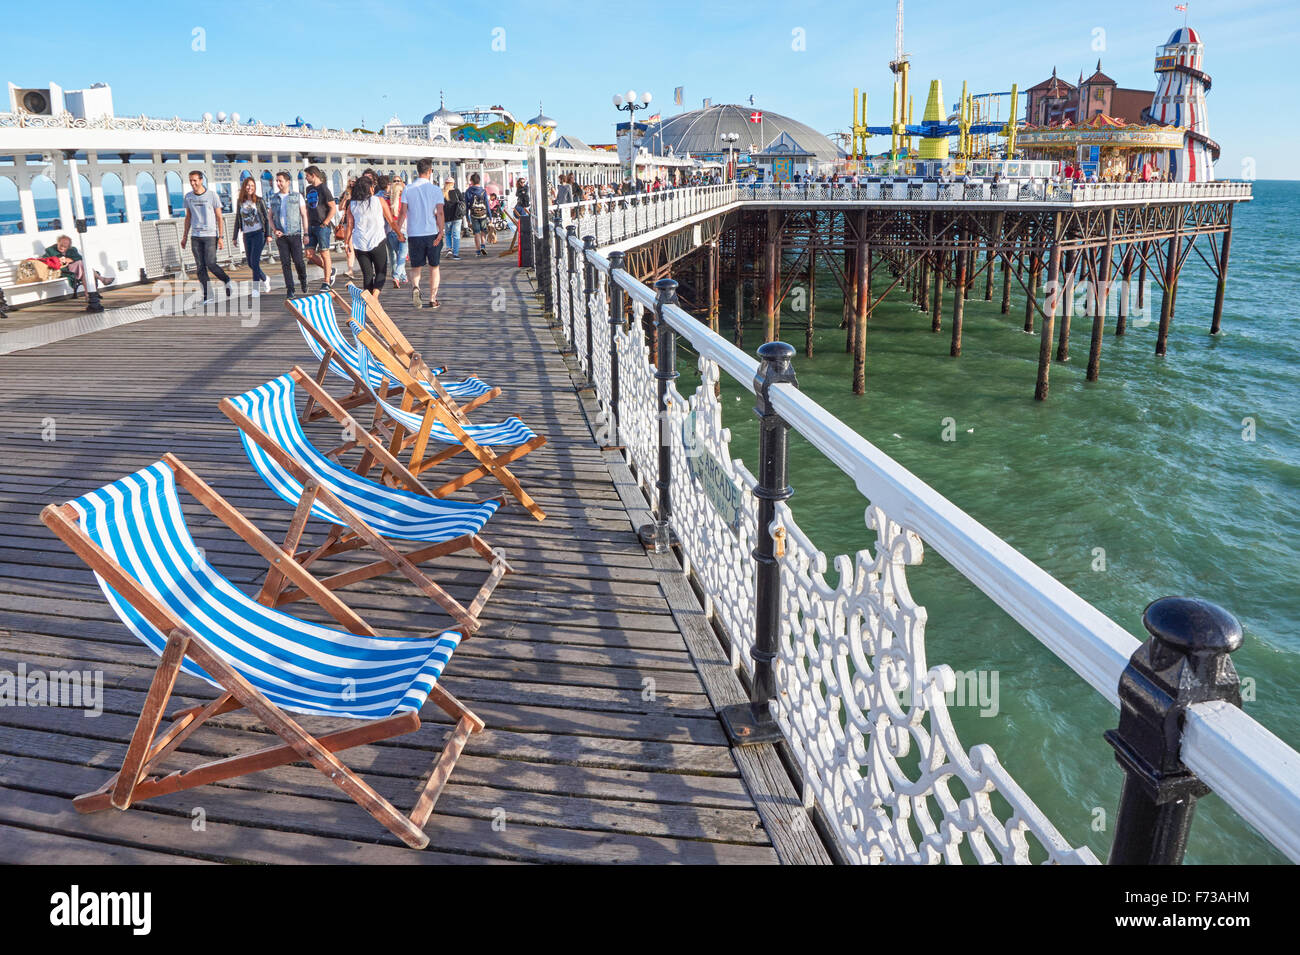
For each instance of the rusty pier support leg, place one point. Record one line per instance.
(959, 299)
(1053, 293)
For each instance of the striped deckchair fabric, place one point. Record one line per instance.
(298, 666)
(362, 512)
(393, 512)
(320, 329)
(133, 535)
(424, 418)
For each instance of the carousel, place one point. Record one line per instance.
(1108, 147)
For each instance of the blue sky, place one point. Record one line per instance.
(337, 63)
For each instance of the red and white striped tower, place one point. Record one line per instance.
(1180, 101)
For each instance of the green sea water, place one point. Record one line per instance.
(1152, 464)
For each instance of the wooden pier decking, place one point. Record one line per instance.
(593, 671)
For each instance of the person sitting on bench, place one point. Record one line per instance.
(70, 264)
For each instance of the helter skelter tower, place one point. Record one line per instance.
(1180, 101)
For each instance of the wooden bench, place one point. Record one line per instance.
(13, 294)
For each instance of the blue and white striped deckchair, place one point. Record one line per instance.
(362, 512)
(424, 417)
(133, 535)
(367, 313)
(320, 329)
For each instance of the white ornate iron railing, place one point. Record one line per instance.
(857, 701)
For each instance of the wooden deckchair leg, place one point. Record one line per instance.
(275, 578)
(467, 723)
(499, 570)
(441, 772)
(308, 747)
(160, 690)
(320, 380)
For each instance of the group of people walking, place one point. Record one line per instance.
(386, 226)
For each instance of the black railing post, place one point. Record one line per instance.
(657, 536)
(1186, 661)
(557, 243)
(589, 287)
(570, 231)
(616, 325)
(753, 722)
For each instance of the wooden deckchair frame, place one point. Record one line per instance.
(146, 750)
(360, 393)
(378, 320)
(357, 533)
(433, 410)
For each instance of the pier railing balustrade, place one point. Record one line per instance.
(1013, 190)
(839, 672)
(616, 218)
(175, 124)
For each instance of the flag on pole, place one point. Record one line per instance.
(1180, 7)
(654, 118)
(756, 117)
(708, 103)
(751, 99)
(678, 94)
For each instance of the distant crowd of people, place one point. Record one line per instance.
(387, 227)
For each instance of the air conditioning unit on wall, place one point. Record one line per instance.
(36, 101)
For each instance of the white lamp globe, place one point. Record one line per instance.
(221, 116)
(630, 95)
(645, 97)
(207, 117)
(234, 117)
(618, 100)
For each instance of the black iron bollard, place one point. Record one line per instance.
(657, 536)
(570, 231)
(1186, 661)
(616, 309)
(589, 288)
(752, 722)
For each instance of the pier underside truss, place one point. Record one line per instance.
(1097, 260)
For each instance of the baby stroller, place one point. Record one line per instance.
(498, 221)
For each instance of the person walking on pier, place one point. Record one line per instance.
(396, 246)
(423, 219)
(476, 201)
(454, 211)
(253, 223)
(367, 215)
(288, 225)
(320, 211)
(203, 219)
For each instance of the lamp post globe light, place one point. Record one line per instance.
(628, 101)
(730, 140)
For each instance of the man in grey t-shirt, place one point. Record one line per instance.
(203, 219)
